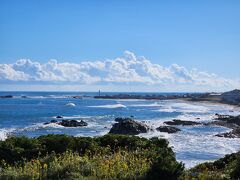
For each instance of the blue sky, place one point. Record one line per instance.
(194, 34)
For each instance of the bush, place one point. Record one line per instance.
(106, 157)
(227, 167)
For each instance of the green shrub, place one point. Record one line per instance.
(106, 157)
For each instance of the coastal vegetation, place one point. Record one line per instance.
(106, 157)
(224, 168)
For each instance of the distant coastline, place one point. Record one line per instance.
(231, 97)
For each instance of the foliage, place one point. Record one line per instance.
(224, 168)
(106, 157)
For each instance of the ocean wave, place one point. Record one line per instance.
(183, 108)
(194, 147)
(155, 104)
(4, 133)
(38, 126)
(71, 104)
(109, 106)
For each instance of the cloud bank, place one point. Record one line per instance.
(128, 70)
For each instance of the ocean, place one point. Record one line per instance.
(26, 113)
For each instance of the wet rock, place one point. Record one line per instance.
(229, 119)
(128, 126)
(178, 122)
(7, 96)
(77, 97)
(59, 117)
(235, 133)
(168, 129)
(53, 121)
(69, 123)
(119, 119)
(222, 123)
(72, 123)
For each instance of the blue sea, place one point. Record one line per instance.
(26, 113)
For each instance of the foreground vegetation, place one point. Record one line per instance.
(106, 157)
(224, 168)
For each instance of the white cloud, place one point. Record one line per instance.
(127, 70)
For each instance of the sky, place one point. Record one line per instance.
(137, 45)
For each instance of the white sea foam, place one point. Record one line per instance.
(109, 106)
(36, 97)
(4, 133)
(71, 104)
(38, 126)
(131, 100)
(155, 104)
(93, 133)
(194, 147)
(183, 107)
(204, 147)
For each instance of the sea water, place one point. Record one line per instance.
(26, 113)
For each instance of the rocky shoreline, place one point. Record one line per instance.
(129, 126)
(232, 122)
(68, 123)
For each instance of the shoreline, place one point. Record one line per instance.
(191, 97)
(171, 125)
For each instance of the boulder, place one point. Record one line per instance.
(168, 129)
(72, 123)
(235, 133)
(128, 126)
(59, 117)
(222, 123)
(53, 121)
(181, 122)
(119, 119)
(7, 96)
(231, 97)
(229, 119)
(77, 97)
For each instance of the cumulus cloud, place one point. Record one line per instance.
(129, 70)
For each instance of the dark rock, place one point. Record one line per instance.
(231, 97)
(59, 117)
(181, 122)
(46, 123)
(229, 119)
(168, 129)
(235, 133)
(7, 96)
(222, 123)
(128, 126)
(53, 121)
(72, 123)
(77, 97)
(119, 119)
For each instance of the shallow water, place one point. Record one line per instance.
(194, 144)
